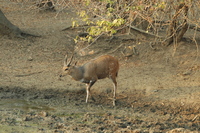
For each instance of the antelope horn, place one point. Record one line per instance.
(70, 61)
(65, 60)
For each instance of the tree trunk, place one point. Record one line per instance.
(7, 28)
(177, 29)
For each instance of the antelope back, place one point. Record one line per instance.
(102, 67)
(98, 68)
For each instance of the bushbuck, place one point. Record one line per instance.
(98, 68)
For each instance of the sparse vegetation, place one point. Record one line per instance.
(158, 87)
(112, 16)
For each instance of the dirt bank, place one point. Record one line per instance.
(158, 88)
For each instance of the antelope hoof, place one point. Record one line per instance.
(114, 102)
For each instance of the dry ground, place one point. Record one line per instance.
(158, 89)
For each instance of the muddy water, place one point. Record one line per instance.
(22, 104)
(31, 110)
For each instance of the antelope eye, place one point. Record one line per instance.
(66, 69)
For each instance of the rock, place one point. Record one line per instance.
(30, 58)
(188, 72)
(19, 119)
(43, 114)
(178, 130)
(128, 131)
(28, 118)
(85, 52)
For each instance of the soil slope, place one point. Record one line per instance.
(158, 89)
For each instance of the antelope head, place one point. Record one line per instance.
(67, 65)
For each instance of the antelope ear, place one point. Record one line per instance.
(75, 63)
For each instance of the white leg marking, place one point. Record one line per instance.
(87, 90)
(114, 93)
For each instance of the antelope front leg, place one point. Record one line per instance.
(88, 86)
(87, 91)
(114, 96)
(114, 92)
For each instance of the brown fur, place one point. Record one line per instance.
(102, 67)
